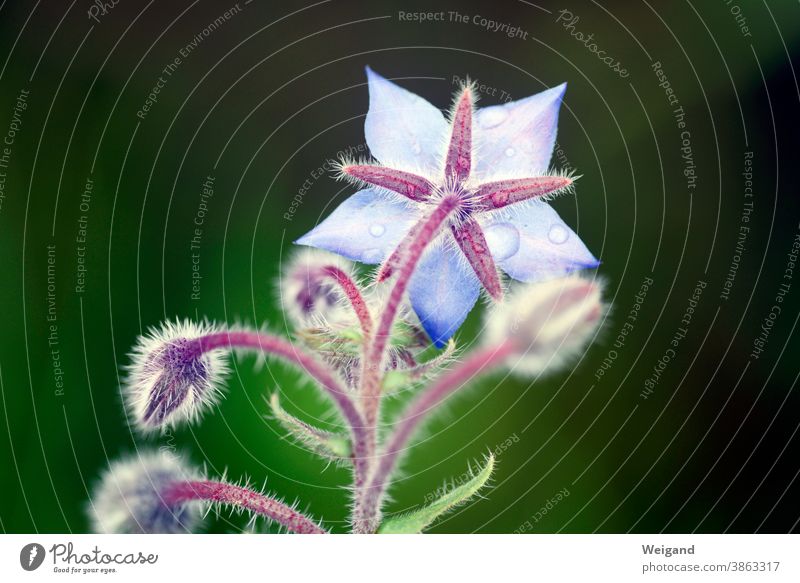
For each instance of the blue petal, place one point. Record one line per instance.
(516, 139)
(402, 129)
(442, 291)
(534, 244)
(366, 227)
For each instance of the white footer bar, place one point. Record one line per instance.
(414, 559)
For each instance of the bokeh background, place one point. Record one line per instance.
(261, 103)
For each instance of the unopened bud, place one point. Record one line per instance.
(130, 497)
(548, 322)
(309, 294)
(171, 379)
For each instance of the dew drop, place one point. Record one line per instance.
(510, 152)
(557, 234)
(492, 116)
(416, 148)
(377, 230)
(503, 240)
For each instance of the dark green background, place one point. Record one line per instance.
(275, 94)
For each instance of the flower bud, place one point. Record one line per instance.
(130, 497)
(309, 294)
(548, 322)
(171, 379)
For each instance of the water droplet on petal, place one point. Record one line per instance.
(558, 234)
(492, 116)
(377, 230)
(503, 240)
(416, 148)
(510, 152)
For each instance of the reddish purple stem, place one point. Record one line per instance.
(425, 233)
(353, 295)
(279, 347)
(394, 261)
(481, 362)
(208, 491)
(371, 376)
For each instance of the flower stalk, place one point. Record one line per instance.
(424, 235)
(483, 362)
(374, 351)
(276, 346)
(353, 295)
(240, 497)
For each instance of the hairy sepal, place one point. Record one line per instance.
(418, 520)
(324, 443)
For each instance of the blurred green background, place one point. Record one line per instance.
(261, 103)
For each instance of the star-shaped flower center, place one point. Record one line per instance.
(474, 199)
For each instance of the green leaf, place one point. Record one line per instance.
(416, 521)
(327, 444)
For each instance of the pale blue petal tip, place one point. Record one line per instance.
(366, 227)
(440, 340)
(592, 264)
(401, 127)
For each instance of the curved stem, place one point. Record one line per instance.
(392, 264)
(481, 362)
(353, 295)
(279, 347)
(209, 491)
(429, 228)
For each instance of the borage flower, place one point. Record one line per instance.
(494, 160)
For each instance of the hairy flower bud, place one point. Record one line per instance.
(308, 287)
(171, 378)
(131, 496)
(547, 322)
